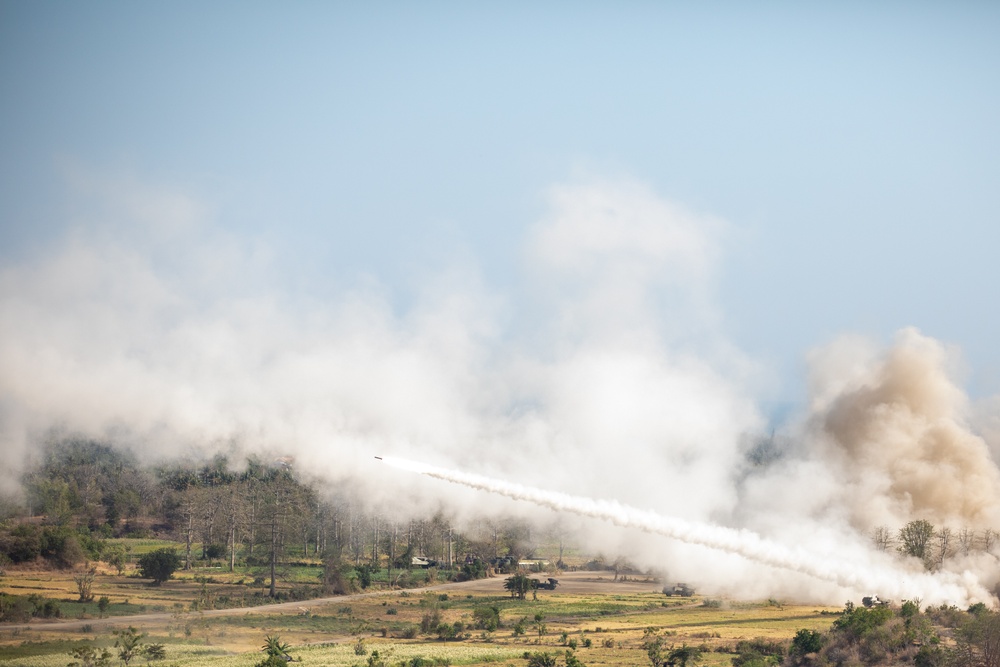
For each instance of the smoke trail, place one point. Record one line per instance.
(859, 577)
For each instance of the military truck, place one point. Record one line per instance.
(548, 585)
(874, 601)
(682, 590)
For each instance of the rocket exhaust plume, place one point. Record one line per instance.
(861, 578)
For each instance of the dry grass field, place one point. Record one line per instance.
(601, 619)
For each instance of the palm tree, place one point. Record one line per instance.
(274, 647)
(681, 656)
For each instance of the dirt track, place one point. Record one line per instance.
(577, 583)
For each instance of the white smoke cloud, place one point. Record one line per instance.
(830, 567)
(607, 370)
(613, 261)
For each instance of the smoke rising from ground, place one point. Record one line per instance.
(900, 434)
(607, 369)
(943, 587)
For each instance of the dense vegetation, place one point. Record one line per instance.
(880, 635)
(248, 516)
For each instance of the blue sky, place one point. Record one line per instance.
(851, 148)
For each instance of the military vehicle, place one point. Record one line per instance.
(874, 601)
(682, 590)
(548, 585)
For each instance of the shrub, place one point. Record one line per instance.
(858, 621)
(159, 565)
(215, 551)
(758, 652)
(430, 621)
(486, 618)
(446, 631)
(154, 652)
(272, 661)
(92, 545)
(365, 573)
(47, 609)
(61, 547)
(764, 646)
(540, 660)
(21, 609)
(930, 656)
(805, 642)
(978, 609)
(15, 609)
(474, 570)
(24, 543)
(103, 603)
(115, 557)
(89, 656)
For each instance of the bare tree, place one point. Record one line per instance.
(306, 517)
(881, 537)
(253, 494)
(945, 545)
(390, 548)
(420, 536)
(85, 584)
(966, 540)
(376, 526)
(210, 500)
(188, 509)
(355, 533)
(234, 505)
(988, 539)
(281, 500)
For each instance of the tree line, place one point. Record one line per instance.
(258, 514)
(933, 545)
